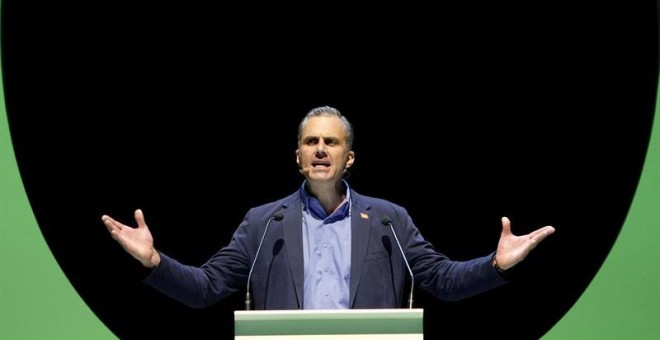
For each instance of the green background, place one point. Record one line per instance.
(37, 301)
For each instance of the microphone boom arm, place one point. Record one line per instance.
(248, 300)
(386, 221)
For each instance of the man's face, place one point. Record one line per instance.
(323, 154)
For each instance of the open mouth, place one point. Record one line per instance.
(321, 164)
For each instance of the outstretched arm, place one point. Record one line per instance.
(512, 249)
(136, 241)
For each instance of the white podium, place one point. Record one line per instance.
(362, 324)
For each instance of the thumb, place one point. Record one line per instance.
(506, 226)
(139, 218)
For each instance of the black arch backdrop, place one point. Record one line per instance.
(193, 118)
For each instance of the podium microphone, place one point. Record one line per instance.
(248, 302)
(386, 221)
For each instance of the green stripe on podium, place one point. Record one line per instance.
(329, 322)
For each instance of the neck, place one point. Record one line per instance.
(330, 196)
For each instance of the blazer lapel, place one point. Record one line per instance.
(360, 229)
(294, 245)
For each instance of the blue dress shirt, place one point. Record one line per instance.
(326, 253)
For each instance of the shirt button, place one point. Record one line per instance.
(325, 245)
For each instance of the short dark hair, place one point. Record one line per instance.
(328, 111)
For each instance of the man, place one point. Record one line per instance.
(324, 246)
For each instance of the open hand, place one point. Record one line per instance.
(512, 249)
(136, 241)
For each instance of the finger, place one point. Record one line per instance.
(115, 234)
(139, 217)
(119, 237)
(539, 236)
(111, 224)
(115, 222)
(506, 226)
(545, 230)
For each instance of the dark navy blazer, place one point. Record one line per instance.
(378, 274)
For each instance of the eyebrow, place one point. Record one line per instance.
(327, 139)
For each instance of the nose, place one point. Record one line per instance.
(320, 150)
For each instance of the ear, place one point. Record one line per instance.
(298, 157)
(350, 160)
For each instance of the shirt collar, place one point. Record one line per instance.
(312, 205)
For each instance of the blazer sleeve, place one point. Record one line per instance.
(442, 277)
(223, 274)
